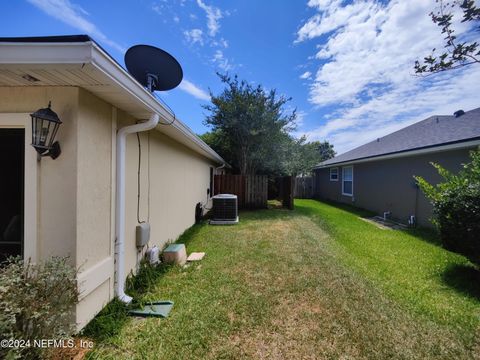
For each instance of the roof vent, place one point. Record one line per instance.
(458, 113)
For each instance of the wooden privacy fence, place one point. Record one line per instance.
(286, 187)
(304, 187)
(251, 190)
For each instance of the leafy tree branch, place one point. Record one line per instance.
(458, 53)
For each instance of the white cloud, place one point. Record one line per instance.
(366, 53)
(193, 36)
(220, 43)
(221, 61)
(306, 75)
(354, 126)
(194, 90)
(211, 37)
(157, 8)
(176, 19)
(213, 16)
(332, 16)
(73, 15)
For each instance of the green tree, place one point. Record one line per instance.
(456, 207)
(458, 53)
(303, 156)
(219, 142)
(249, 125)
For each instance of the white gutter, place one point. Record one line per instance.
(118, 75)
(120, 202)
(81, 55)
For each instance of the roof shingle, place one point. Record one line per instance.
(431, 132)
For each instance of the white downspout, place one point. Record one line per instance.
(213, 182)
(120, 202)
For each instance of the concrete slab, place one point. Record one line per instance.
(196, 256)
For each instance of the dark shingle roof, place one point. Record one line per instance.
(431, 132)
(47, 39)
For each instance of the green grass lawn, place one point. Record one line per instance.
(317, 282)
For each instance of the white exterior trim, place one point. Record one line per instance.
(95, 276)
(440, 148)
(343, 180)
(332, 168)
(30, 228)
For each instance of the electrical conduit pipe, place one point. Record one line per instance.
(120, 202)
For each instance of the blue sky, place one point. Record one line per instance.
(348, 66)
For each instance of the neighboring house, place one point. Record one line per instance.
(67, 206)
(378, 176)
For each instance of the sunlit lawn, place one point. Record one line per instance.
(317, 282)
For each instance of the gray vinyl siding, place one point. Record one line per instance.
(388, 185)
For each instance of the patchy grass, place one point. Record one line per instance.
(307, 284)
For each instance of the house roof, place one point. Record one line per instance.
(77, 60)
(428, 135)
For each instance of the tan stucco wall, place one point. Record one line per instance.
(75, 194)
(179, 179)
(56, 179)
(95, 204)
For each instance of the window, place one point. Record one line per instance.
(347, 181)
(334, 174)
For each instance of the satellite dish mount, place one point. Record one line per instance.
(152, 81)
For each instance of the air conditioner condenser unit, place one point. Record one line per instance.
(225, 209)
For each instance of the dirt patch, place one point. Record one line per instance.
(78, 352)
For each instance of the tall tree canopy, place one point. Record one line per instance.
(250, 125)
(458, 53)
(252, 131)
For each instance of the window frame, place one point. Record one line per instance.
(343, 180)
(30, 178)
(332, 168)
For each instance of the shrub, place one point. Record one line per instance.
(456, 207)
(36, 302)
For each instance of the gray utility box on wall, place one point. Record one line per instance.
(143, 234)
(225, 209)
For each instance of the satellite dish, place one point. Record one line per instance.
(154, 68)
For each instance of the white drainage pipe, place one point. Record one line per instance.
(120, 202)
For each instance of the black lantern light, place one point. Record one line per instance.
(45, 124)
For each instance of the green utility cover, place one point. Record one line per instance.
(174, 247)
(155, 309)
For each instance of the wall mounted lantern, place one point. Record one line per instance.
(45, 124)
